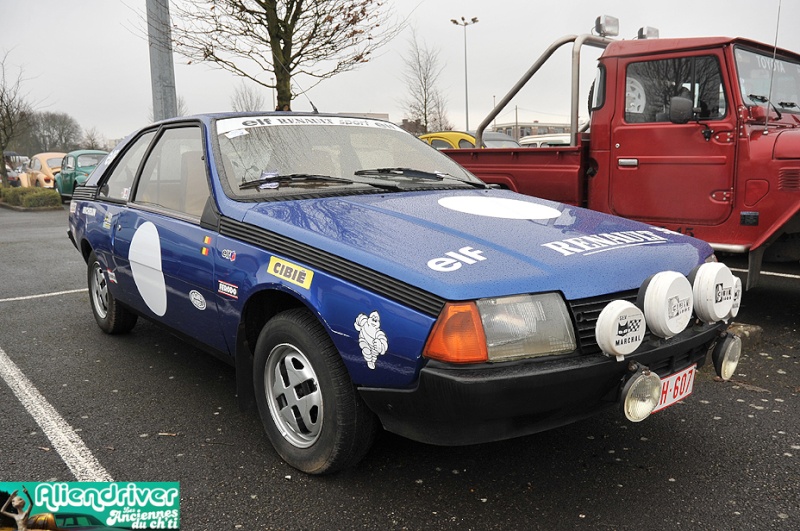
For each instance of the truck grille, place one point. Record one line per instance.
(585, 313)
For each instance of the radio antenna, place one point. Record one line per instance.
(772, 74)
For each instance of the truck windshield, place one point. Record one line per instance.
(755, 69)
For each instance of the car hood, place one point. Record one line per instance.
(463, 245)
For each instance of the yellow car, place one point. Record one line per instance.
(42, 170)
(461, 140)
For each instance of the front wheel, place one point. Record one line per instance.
(310, 409)
(110, 316)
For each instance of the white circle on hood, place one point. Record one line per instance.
(145, 258)
(499, 207)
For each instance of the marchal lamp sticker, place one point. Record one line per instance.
(90, 505)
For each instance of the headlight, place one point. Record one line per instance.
(502, 329)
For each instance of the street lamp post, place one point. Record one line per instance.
(464, 23)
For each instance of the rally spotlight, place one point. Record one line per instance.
(726, 355)
(641, 393)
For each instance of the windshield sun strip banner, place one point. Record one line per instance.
(237, 126)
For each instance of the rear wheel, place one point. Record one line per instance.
(110, 316)
(310, 409)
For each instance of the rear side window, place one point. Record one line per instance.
(649, 86)
(120, 181)
(465, 144)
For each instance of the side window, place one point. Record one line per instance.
(70, 163)
(118, 185)
(440, 144)
(37, 165)
(650, 85)
(597, 93)
(174, 175)
(465, 144)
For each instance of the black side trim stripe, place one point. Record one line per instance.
(384, 285)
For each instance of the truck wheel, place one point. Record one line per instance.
(310, 409)
(110, 316)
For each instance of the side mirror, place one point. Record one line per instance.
(681, 110)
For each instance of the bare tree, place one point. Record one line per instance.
(246, 98)
(425, 103)
(316, 38)
(15, 111)
(92, 139)
(54, 131)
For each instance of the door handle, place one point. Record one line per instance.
(628, 163)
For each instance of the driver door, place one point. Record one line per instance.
(669, 173)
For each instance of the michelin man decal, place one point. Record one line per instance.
(371, 338)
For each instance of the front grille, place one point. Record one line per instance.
(585, 313)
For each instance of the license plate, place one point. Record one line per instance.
(676, 387)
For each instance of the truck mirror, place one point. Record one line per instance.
(681, 110)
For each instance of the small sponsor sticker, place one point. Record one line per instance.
(290, 272)
(107, 220)
(73, 207)
(89, 211)
(126, 192)
(371, 339)
(228, 254)
(227, 289)
(197, 299)
(206, 241)
(112, 277)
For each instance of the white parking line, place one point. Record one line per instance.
(44, 295)
(66, 442)
(767, 273)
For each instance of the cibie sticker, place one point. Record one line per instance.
(92, 505)
(290, 272)
(371, 338)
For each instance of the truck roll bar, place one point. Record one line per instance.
(579, 41)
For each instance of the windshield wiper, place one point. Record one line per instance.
(407, 172)
(418, 174)
(267, 180)
(787, 104)
(764, 99)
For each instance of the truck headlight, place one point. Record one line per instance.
(502, 329)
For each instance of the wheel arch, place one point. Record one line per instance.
(259, 308)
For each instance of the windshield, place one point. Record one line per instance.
(269, 156)
(90, 161)
(757, 71)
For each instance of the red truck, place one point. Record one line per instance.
(698, 135)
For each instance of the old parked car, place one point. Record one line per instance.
(42, 169)
(67, 522)
(75, 169)
(461, 140)
(356, 278)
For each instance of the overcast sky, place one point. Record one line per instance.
(89, 58)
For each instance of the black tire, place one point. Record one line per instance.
(334, 429)
(110, 316)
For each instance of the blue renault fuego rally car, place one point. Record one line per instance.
(355, 277)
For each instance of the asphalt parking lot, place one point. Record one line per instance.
(148, 407)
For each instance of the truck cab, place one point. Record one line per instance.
(697, 135)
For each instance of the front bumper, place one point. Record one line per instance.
(458, 405)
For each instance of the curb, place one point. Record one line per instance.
(749, 334)
(29, 209)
